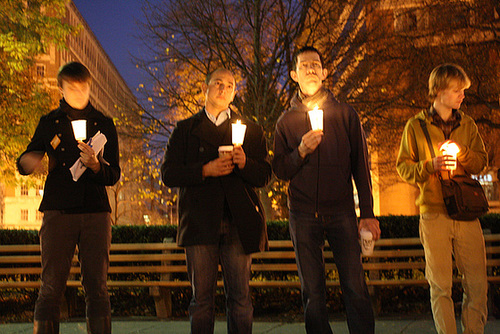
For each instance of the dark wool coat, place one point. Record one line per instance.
(193, 143)
(54, 136)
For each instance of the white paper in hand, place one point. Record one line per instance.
(97, 142)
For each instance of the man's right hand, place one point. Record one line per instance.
(443, 163)
(30, 161)
(218, 167)
(310, 142)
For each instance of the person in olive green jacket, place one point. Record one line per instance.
(441, 236)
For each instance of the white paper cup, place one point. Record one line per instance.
(367, 242)
(238, 133)
(316, 118)
(80, 129)
(226, 149)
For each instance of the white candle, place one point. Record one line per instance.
(238, 132)
(316, 118)
(450, 148)
(80, 129)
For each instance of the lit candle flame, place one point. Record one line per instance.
(450, 148)
(238, 132)
(316, 118)
(79, 129)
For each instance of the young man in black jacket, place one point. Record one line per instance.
(76, 207)
(221, 219)
(320, 165)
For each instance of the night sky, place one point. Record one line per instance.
(114, 23)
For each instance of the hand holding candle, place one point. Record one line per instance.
(238, 133)
(316, 118)
(451, 149)
(239, 156)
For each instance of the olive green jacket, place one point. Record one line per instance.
(414, 163)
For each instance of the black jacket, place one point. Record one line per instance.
(88, 194)
(193, 143)
(322, 182)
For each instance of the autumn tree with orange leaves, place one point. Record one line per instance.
(378, 53)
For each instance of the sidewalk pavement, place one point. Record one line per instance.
(151, 326)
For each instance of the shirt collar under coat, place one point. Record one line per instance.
(455, 115)
(221, 118)
(205, 129)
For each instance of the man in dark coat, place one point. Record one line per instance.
(221, 219)
(76, 208)
(320, 165)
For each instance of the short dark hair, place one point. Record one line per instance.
(304, 50)
(209, 75)
(73, 71)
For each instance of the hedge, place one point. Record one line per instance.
(391, 226)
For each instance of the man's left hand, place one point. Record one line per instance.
(372, 225)
(239, 156)
(88, 157)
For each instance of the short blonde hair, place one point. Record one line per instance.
(441, 77)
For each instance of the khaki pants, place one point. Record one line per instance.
(443, 237)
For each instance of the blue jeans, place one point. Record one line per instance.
(308, 235)
(202, 265)
(59, 235)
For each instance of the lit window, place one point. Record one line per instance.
(24, 215)
(40, 71)
(490, 187)
(39, 215)
(24, 190)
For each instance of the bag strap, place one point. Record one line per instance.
(423, 125)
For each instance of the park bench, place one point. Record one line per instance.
(161, 267)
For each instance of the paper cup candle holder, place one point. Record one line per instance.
(238, 133)
(450, 148)
(79, 129)
(316, 118)
(367, 242)
(225, 150)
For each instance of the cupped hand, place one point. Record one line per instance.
(239, 156)
(310, 142)
(372, 225)
(219, 167)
